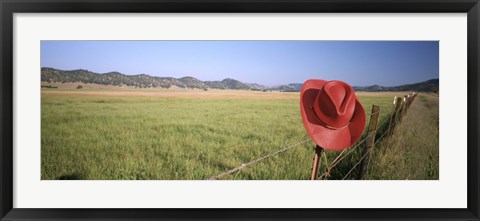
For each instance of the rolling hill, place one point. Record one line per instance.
(141, 80)
(49, 75)
(425, 86)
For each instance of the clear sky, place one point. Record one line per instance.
(359, 63)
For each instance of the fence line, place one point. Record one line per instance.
(368, 152)
(356, 145)
(335, 163)
(398, 113)
(396, 116)
(360, 161)
(243, 165)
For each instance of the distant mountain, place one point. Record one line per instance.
(288, 87)
(426, 86)
(192, 82)
(147, 81)
(141, 80)
(228, 83)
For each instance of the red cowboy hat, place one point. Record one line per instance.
(331, 113)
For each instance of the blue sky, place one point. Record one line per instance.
(359, 63)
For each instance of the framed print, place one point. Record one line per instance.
(239, 110)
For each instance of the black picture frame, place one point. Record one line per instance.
(9, 7)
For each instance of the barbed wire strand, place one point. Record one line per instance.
(326, 162)
(323, 174)
(374, 113)
(352, 149)
(327, 173)
(338, 160)
(379, 139)
(356, 145)
(356, 164)
(349, 152)
(243, 165)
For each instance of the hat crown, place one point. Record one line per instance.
(335, 104)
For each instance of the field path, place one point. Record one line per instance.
(413, 151)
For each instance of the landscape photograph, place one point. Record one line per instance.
(231, 110)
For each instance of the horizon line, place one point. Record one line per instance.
(228, 78)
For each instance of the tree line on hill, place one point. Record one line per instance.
(50, 75)
(141, 80)
(425, 86)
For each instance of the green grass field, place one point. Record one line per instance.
(183, 135)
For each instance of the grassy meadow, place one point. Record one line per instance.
(128, 134)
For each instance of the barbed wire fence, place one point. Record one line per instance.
(243, 165)
(400, 107)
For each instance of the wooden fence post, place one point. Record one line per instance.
(407, 102)
(370, 141)
(317, 160)
(398, 105)
(410, 99)
(402, 108)
(392, 115)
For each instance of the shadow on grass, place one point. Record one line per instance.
(72, 176)
(350, 167)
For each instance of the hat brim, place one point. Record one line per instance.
(328, 138)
